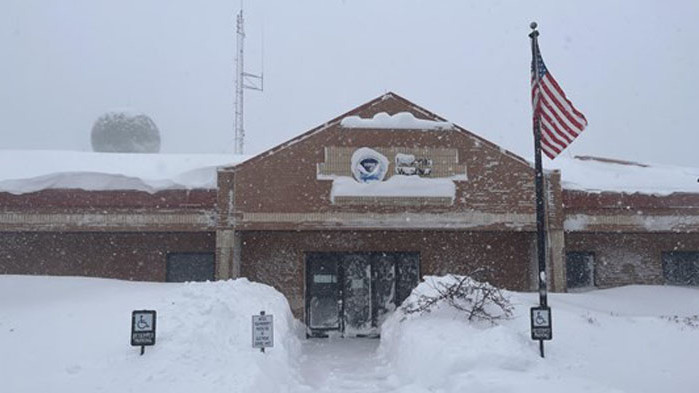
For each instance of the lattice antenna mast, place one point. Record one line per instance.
(243, 81)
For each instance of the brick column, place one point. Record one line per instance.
(236, 260)
(554, 230)
(224, 254)
(556, 246)
(227, 240)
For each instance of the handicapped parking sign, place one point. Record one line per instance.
(143, 328)
(144, 322)
(541, 323)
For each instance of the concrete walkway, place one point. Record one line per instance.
(343, 365)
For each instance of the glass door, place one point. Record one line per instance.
(357, 304)
(323, 294)
(353, 292)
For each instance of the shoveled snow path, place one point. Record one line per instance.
(344, 365)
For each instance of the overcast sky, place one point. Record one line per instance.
(632, 67)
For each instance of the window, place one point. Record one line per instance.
(190, 266)
(681, 268)
(580, 269)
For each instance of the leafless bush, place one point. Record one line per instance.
(480, 301)
(691, 322)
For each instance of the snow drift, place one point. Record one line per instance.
(72, 334)
(629, 339)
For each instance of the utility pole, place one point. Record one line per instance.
(243, 80)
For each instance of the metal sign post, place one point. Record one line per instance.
(539, 184)
(262, 331)
(143, 328)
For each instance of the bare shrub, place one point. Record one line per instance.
(691, 322)
(480, 301)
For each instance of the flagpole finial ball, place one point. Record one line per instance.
(533, 25)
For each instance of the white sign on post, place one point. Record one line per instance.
(262, 331)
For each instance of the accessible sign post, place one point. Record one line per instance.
(262, 331)
(143, 328)
(541, 323)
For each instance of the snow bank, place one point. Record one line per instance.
(24, 171)
(72, 334)
(634, 339)
(399, 121)
(597, 175)
(395, 186)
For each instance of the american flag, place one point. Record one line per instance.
(559, 121)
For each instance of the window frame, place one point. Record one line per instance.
(592, 269)
(693, 279)
(187, 253)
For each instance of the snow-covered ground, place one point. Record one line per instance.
(72, 335)
(628, 339)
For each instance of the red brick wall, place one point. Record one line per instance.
(629, 258)
(277, 257)
(128, 256)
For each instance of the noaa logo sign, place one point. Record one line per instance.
(368, 165)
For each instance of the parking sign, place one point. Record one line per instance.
(541, 323)
(143, 327)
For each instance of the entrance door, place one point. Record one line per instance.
(357, 294)
(352, 292)
(323, 293)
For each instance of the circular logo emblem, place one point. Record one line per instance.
(368, 165)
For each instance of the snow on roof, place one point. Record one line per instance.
(594, 174)
(395, 186)
(401, 120)
(25, 171)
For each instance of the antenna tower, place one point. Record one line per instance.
(243, 80)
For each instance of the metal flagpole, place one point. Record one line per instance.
(539, 183)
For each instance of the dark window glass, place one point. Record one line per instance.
(322, 291)
(681, 268)
(407, 274)
(183, 267)
(354, 291)
(580, 269)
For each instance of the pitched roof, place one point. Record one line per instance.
(369, 109)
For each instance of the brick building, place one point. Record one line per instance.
(345, 218)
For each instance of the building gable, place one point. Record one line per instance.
(308, 181)
(390, 103)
